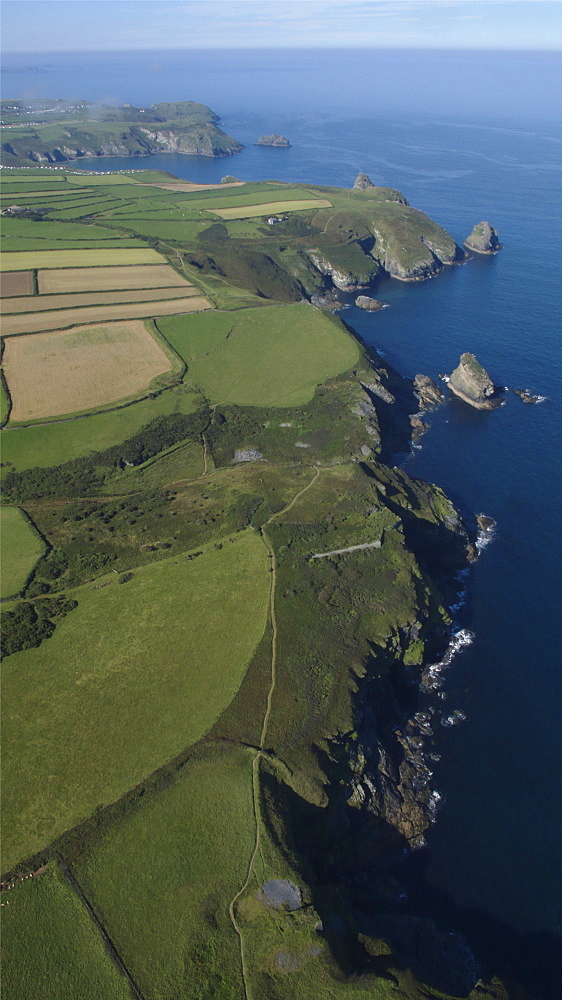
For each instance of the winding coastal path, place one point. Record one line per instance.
(260, 753)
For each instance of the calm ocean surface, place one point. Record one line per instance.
(495, 851)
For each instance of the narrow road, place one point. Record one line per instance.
(267, 713)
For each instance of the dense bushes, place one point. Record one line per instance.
(86, 475)
(29, 624)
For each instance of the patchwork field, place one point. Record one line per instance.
(51, 947)
(274, 356)
(43, 445)
(22, 546)
(270, 208)
(94, 279)
(71, 300)
(59, 319)
(80, 369)
(77, 258)
(16, 283)
(132, 676)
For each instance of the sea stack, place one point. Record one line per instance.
(483, 239)
(273, 140)
(362, 182)
(471, 382)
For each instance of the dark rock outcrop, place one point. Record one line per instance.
(483, 239)
(427, 392)
(273, 140)
(366, 302)
(528, 397)
(362, 182)
(471, 382)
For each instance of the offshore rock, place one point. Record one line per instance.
(527, 396)
(471, 382)
(366, 302)
(273, 140)
(362, 182)
(427, 392)
(483, 239)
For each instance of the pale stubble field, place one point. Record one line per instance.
(69, 371)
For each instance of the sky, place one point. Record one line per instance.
(135, 25)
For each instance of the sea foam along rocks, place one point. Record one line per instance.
(483, 239)
(471, 382)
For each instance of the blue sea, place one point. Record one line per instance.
(465, 137)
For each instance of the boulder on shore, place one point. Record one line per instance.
(273, 140)
(366, 302)
(483, 239)
(362, 182)
(427, 392)
(471, 382)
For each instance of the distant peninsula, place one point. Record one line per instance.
(51, 132)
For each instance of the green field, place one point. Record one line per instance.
(51, 444)
(275, 356)
(77, 258)
(199, 334)
(51, 947)
(21, 548)
(131, 677)
(5, 401)
(54, 230)
(162, 879)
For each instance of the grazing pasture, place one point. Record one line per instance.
(52, 948)
(77, 258)
(270, 208)
(94, 279)
(43, 303)
(16, 283)
(57, 230)
(275, 356)
(59, 319)
(44, 445)
(22, 546)
(195, 336)
(162, 878)
(69, 371)
(131, 677)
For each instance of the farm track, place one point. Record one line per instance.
(261, 751)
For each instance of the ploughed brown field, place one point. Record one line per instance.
(41, 303)
(68, 371)
(24, 323)
(16, 283)
(99, 279)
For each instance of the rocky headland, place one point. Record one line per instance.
(97, 130)
(471, 383)
(483, 239)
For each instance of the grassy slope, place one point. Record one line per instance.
(132, 676)
(21, 548)
(162, 879)
(274, 357)
(52, 444)
(51, 947)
